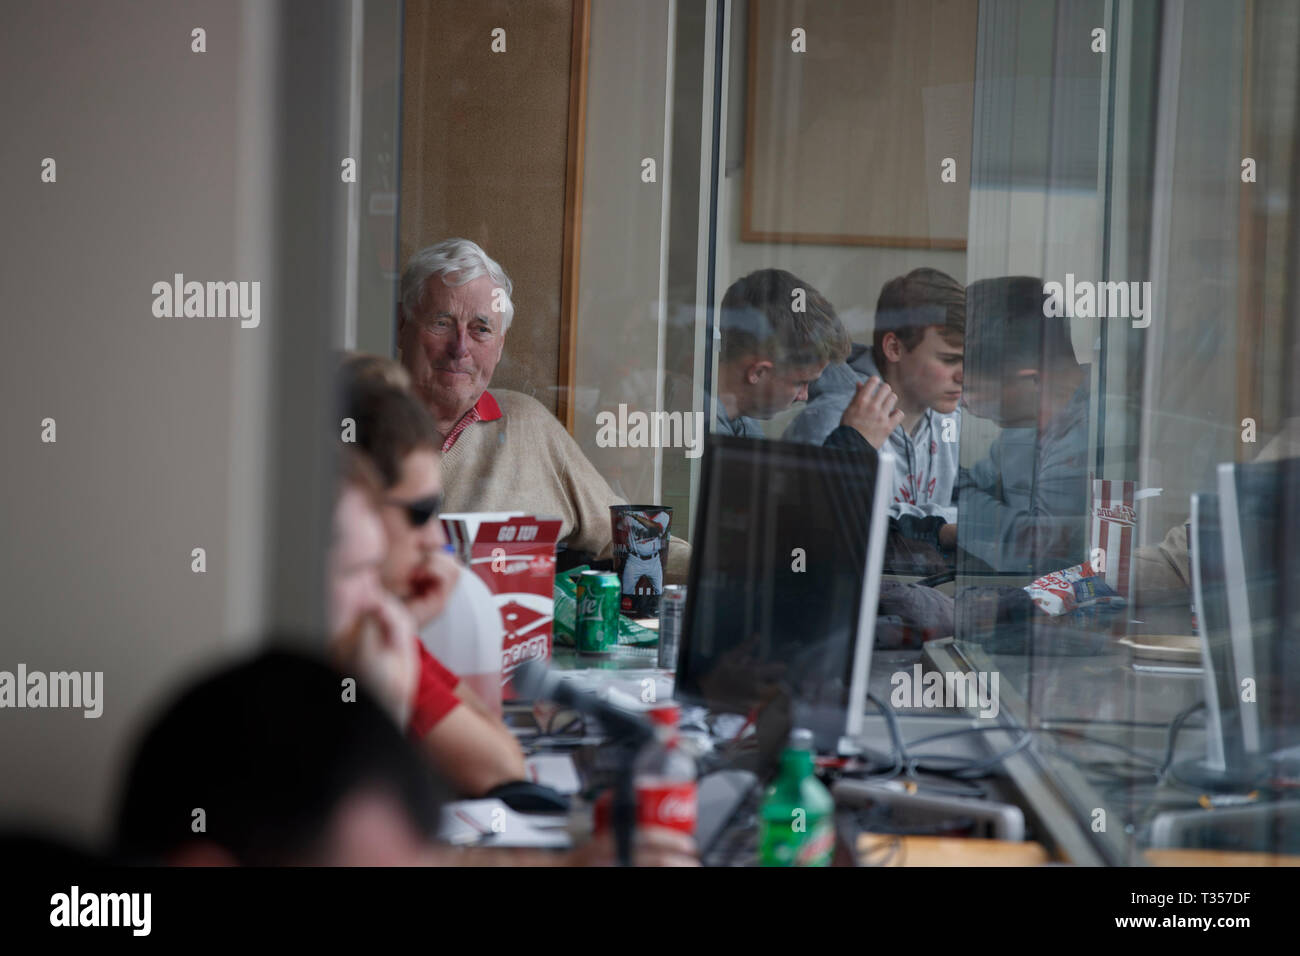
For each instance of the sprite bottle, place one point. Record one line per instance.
(796, 821)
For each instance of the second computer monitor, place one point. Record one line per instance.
(785, 570)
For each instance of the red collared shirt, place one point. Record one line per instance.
(485, 409)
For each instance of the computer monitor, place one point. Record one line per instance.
(1243, 573)
(1210, 600)
(1260, 568)
(788, 545)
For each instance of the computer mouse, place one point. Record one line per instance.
(524, 796)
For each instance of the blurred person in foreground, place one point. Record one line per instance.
(376, 636)
(461, 625)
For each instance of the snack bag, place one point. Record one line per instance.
(1062, 592)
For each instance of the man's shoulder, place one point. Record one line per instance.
(837, 379)
(818, 418)
(523, 413)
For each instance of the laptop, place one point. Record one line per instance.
(784, 584)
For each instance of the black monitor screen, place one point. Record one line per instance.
(779, 550)
(1260, 568)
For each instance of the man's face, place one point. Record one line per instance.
(452, 348)
(355, 561)
(774, 388)
(928, 376)
(411, 545)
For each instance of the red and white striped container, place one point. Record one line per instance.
(1114, 525)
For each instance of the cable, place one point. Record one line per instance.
(1174, 730)
(895, 734)
(1102, 742)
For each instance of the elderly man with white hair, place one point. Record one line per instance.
(502, 450)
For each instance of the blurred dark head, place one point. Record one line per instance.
(285, 770)
(1013, 351)
(391, 425)
(396, 433)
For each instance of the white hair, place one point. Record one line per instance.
(462, 258)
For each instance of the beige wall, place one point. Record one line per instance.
(172, 433)
(99, 526)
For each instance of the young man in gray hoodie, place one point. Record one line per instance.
(916, 350)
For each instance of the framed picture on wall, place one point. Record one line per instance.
(854, 109)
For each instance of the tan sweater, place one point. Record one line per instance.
(526, 461)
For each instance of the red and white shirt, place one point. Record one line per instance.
(485, 409)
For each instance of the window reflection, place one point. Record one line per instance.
(1029, 261)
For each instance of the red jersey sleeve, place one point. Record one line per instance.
(434, 666)
(434, 699)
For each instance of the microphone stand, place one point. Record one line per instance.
(624, 809)
(628, 733)
(628, 738)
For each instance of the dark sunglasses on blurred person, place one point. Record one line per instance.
(420, 511)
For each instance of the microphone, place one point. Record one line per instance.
(533, 680)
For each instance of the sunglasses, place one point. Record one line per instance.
(422, 511)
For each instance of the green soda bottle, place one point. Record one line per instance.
(796, 822)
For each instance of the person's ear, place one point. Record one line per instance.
(757, 370)
(892, 346)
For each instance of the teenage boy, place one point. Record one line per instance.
(916, 351)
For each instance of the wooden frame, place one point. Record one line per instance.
(748, 232)
(564, 407)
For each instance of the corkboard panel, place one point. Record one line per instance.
(484, 153)
(843, 142)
